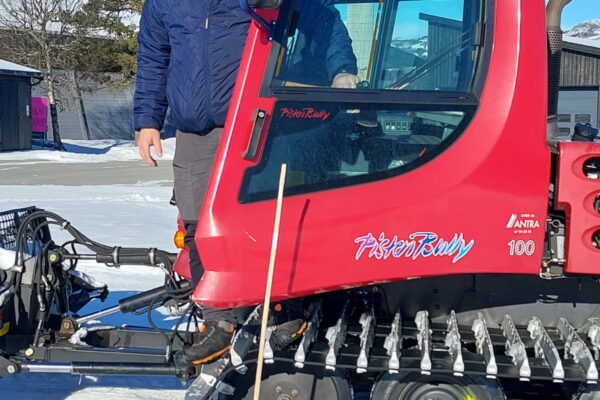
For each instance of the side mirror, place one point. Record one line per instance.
(265, 4)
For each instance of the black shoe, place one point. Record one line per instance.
(213, 342)
(286, 333)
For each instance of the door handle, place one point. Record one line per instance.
(260, 117)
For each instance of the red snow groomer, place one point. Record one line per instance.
(438, 238)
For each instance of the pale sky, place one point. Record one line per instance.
(579, 11)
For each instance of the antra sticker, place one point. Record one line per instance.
(523, 223)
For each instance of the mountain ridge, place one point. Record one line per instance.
(586, 30)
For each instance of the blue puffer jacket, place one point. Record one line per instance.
(190, 50)
(188, 58)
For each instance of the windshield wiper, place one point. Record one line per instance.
(419, 72)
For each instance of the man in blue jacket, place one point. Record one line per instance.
(188, 59)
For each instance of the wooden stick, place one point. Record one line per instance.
(267, 303)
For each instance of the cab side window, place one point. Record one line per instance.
(421, 45)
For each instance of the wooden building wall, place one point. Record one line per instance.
(442, 34)
(580, 84)
(580, 66)
(109, 114)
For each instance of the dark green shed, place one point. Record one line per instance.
(15, 105)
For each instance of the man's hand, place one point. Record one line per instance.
(345, 81)
(148, 138)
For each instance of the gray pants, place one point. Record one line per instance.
(192, 167)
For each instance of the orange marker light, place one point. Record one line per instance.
(179, 239)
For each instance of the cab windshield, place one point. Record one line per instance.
(416, 45)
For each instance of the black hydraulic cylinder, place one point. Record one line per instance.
(124, 369)
(145, 299)
(120, 256)
(139, 259)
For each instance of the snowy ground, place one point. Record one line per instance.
(132, 214)
(90, 151)
(97, 162)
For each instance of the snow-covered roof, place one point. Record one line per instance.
(583, 45)
(590, 42)
(9, 68)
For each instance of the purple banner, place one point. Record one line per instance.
(39, 114)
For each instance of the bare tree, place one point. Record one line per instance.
(52, 32)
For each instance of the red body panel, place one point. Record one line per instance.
(575, 195)
(491, 186)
